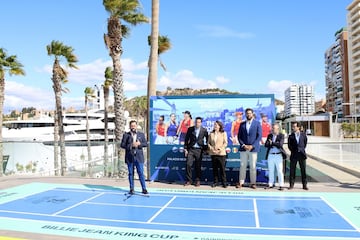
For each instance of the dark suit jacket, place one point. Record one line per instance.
(201, 140)
(279, 142)
(253, 138)
(295, 147)
(130, 152)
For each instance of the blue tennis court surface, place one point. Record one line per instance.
(103, 212)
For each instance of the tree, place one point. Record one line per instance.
(164, 45)
(59, 77)
(127, 11)
(106, 88)
(11, 65)
(89, 94)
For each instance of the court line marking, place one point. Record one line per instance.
(256, 214)
(24, 196)
(265, 198)
(161, 209)
(179, 208)
(122, 205)
(78, 204)
(194, 195)
(202, 232)
(341, 215)
(167, 224)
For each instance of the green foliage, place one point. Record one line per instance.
(349, 129)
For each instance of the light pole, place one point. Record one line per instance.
(353, 114)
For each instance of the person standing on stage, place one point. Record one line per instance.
(194, 146)
(297, 142)
(275, 155)
(133, 142)
(249, 137)
(217, 144)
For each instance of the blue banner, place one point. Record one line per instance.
(171, 115)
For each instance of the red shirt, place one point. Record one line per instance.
(266, 129)
(185, 125)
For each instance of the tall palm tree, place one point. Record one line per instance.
(121, 11)
(106, 88)
(154, 53)
(11, 65)
(89, 94)
(59, 77)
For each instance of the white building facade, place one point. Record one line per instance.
(353, 27)
(299, 100)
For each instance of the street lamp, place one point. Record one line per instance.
(353, 115)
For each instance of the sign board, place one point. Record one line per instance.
(167, 160)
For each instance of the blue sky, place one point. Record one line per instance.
(250, 46)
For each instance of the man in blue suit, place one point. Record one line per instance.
(297, 141)
(249, 136)
(133, 142)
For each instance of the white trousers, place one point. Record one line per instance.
(275, 161)
(245, 158)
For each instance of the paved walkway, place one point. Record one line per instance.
(343, 155)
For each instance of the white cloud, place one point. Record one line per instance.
(18, 95)
(93, 72)
(222, 80)
(222, 32)
(184, 79)
(278, 88)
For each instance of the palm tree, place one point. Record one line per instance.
(127, 11)
(59, 77)
(106, 88)
(89, 94)
(154, 46)
(11, 65)
(164, 44)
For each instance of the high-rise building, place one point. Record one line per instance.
(353, 27)
(299, 100)
(337, 76)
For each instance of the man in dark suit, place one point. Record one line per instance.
(249, 137)
(133, 142)
(297, 143)
(275, 156)
(195, 143)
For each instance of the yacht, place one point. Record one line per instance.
(28, 145)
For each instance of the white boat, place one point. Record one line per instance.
(28, 145)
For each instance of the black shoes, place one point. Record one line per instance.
(224, 185)
(132, 192)
(305, 188)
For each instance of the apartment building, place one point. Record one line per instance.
(353, 27)
(299, 100)
(337, 76)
